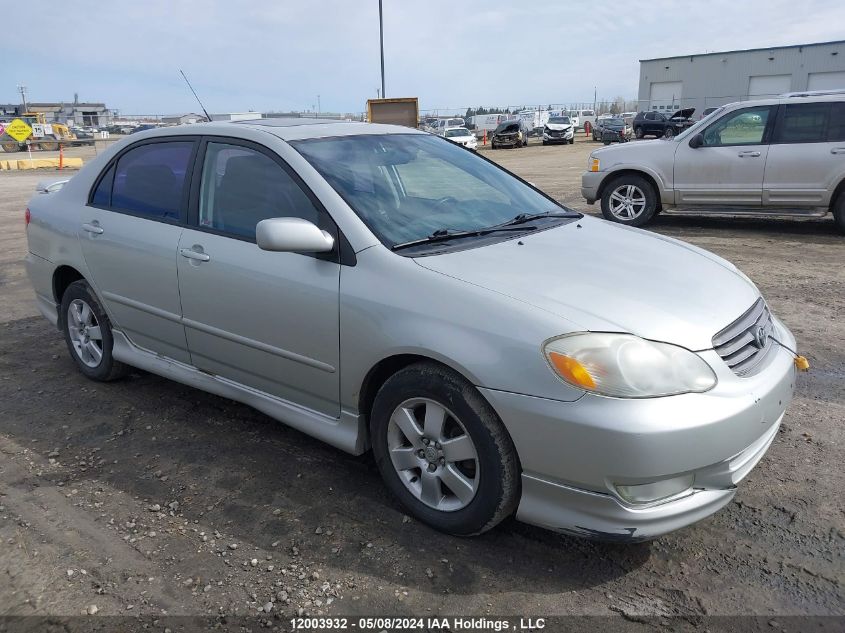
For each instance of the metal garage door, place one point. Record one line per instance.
(769, 85)
(666, 95)
(826, 81)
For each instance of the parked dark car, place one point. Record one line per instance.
(706, 112)
(613, 130)
(511, 133)
(657, 124)
(144, 128)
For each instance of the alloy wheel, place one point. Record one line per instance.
(627, 202)
(433, 455)
(85, 333)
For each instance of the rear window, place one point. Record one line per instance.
(149, 180)
(802, 123)
(836, 124)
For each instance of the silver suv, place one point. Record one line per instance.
(383, 288)
(783, 156)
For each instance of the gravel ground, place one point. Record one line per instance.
(148, 497)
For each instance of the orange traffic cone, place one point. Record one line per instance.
(484, 141)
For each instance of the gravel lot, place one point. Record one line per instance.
(148, 497)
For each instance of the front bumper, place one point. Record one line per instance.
(573, 453)
(563, 136)
(590, 183)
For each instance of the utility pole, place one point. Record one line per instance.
(595, 97)
(318, 104)
(22, 90)
(381, 45)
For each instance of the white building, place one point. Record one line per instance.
(712, 79)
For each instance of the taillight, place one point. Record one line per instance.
(27, 216)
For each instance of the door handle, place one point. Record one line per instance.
(838, 150)
(751, 154)
(190, 253)
(93, 227)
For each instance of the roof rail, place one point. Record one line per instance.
(815, 93)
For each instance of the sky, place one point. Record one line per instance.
(279, 55)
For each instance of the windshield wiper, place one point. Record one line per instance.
(523, 218)
(443, 235)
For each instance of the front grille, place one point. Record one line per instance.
(744, 344)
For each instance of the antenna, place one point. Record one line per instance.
(204, 111)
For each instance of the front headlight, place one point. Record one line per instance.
(627, 366)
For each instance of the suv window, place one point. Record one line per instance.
(802, 123)
(241, 186)
(149, 180)
(741, 127)
(836, 125)
(651, 116)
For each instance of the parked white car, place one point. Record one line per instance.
(558, 129)
(461, 136)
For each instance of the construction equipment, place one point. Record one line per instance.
(46, 136)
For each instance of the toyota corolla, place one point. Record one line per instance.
(384, 289)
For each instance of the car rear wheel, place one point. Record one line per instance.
(442, 450)
(629, 199)
(88, 334)
(839, 212)
(638, 132)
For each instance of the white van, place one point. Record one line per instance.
(579, 118)
(488, 122)
(439, 128)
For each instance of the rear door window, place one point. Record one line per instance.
(802, 123)
(836, 124)
(149, 180)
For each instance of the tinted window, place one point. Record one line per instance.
(836, 125)
(102, 195)
(240, 187)
(802, 123)
(742, 127)
(149, 180)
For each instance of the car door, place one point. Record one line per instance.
(129, 237)
(807, 157)
(267, 320)
(728, 168)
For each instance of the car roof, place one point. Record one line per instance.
(286, 128)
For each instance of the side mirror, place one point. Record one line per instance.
(696, 141)
(292, 235)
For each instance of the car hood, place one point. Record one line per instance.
(605, 277)
(683, 114)
(558, 126)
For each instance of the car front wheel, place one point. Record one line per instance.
(88, 334)
(638, 132)
(629, 199)
(442, 450)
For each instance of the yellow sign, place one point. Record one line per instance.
(19, 130)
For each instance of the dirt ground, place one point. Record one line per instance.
(148, 497)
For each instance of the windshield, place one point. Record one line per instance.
(406, 187)
(458, 131)
(558, 119)
(614, 122)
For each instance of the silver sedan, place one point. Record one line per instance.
(383, 289)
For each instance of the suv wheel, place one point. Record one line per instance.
(442, 450)
(839, 212)
(629, 199)
(88, 334)
(638, 132)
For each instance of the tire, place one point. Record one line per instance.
(545, 142)
(839, 212)
(10, 147)
(572, 141)
(491, 469)
(669, 132)
(80, 299)
(638, 132)
(642, 196)
(49, 146)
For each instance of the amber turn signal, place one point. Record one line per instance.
(571, 370)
